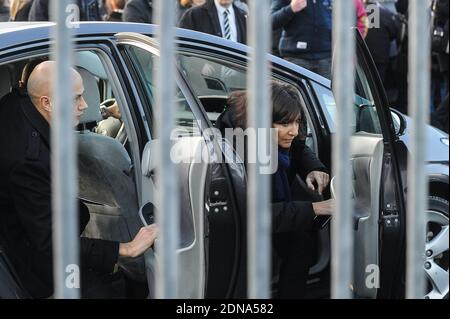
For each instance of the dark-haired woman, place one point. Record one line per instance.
(292, 221)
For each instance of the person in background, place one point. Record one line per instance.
(140, 11)
(4, 12)
(217, 17)
(20, 9)
(114, 9)
(89, 10)
(306, 36)
(440, 47)
(362, 21)
(379, 40)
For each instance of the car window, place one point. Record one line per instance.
(212, 78)
(365, 116)
(145, 66)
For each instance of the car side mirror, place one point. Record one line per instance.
(399, 122)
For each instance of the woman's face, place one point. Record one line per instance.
(287, 132)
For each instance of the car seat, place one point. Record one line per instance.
(106, 183)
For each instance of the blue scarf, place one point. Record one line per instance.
(281, 188)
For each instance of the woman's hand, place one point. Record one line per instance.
(144, 239)
(321, 179)
(324, 208)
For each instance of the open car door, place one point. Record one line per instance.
(377, 191)
(209, 253)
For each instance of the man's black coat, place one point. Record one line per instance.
(205, 19)
(25, 200)
(139, 11)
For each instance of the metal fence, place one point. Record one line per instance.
(259, 230)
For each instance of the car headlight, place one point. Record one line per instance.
(445, 141)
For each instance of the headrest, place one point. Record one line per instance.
(92, 97)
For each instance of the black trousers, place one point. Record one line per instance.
(294, 252)
(95, 285)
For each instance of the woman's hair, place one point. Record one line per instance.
(15, 6)
(286, 105)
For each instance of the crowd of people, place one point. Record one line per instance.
(301, 34)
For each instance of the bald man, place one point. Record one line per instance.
(25, 196)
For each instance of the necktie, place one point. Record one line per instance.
(226, 25)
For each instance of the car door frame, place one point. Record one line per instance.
(223, 286)
(392, 208)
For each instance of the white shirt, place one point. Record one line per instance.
(231, 19)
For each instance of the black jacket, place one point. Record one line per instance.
(293, 215)
(205, 19)
(89, 10)
(140, 11)
(306, 34)
(25, 200)
(39, 11)
(379, 39)
(114, 17)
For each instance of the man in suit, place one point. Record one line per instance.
(217, 17)
(25, 196)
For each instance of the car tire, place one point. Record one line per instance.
(437, 248)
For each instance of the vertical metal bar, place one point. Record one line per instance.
(167, 197)
(419, 100)
(260, 116)
(343, 77)
(64, 168)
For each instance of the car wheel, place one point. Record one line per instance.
(436, 249)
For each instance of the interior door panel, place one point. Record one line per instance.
(367, 158)
(191, 180)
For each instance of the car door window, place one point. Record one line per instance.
(209, 77)
(365, 116)
(144, 63)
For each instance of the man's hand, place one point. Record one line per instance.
(325, 208)
(321, 179)
(298, 5)
(144, 239)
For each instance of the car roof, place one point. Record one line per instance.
(14, 34)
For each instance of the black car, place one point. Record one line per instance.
(116, 160)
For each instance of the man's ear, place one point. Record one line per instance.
(46, 104)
